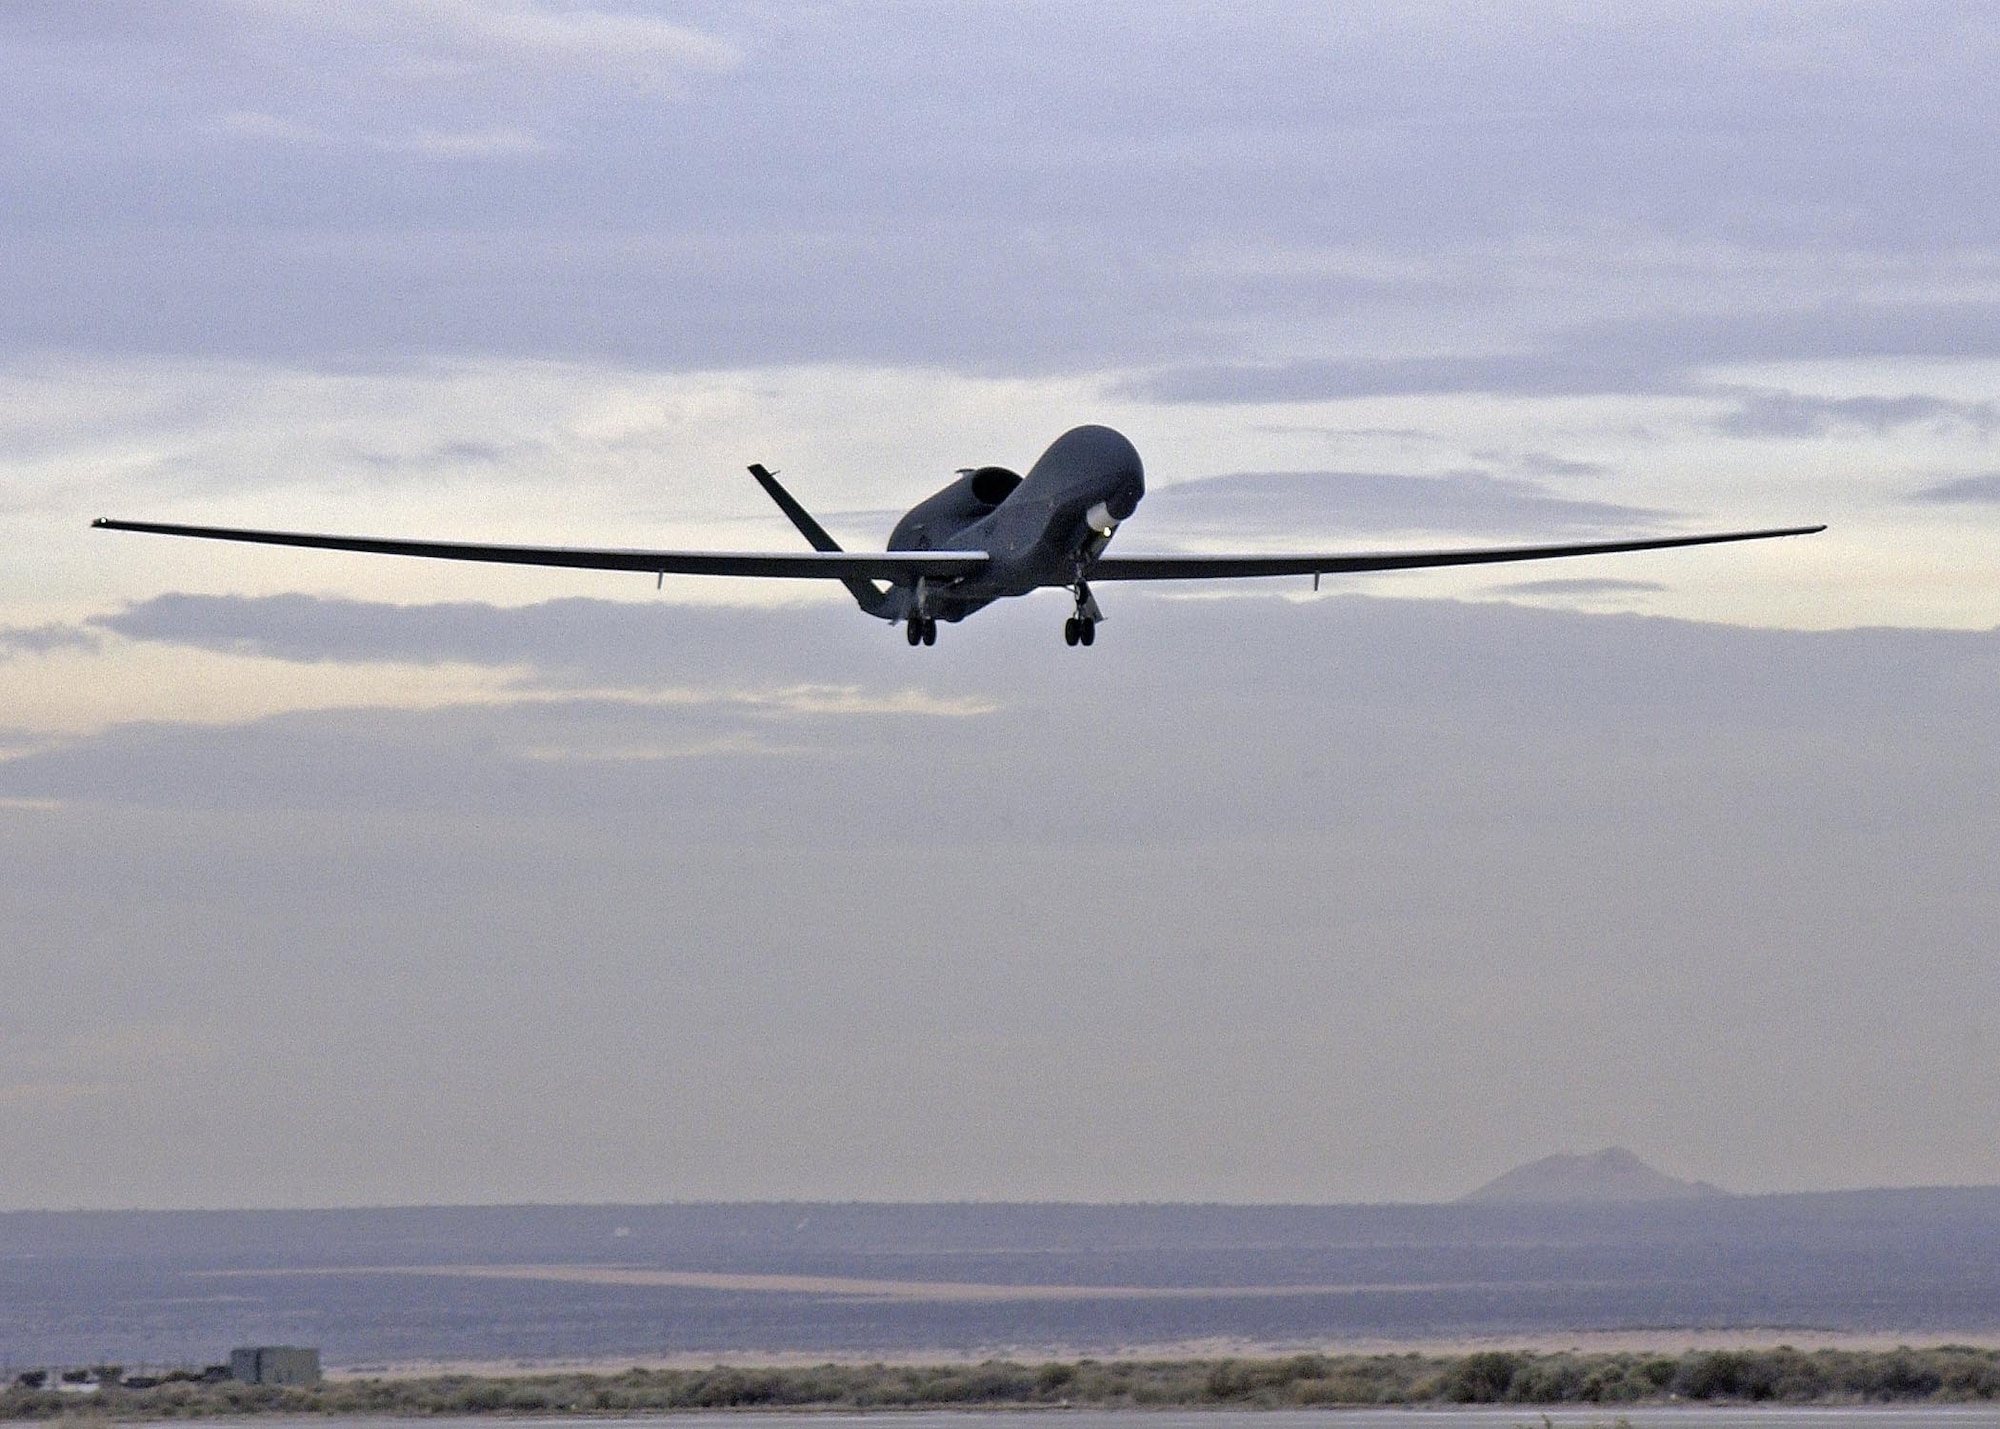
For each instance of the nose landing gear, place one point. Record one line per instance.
(921, 630)
(1081, 628)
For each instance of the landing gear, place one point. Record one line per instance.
(921, 630)
(1081, 628)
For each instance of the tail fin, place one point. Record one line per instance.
(871, 597)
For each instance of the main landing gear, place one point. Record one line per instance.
(921, 630)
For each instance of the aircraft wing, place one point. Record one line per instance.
(796, 565)
(1194, 568)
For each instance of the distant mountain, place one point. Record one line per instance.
(1613, 1174)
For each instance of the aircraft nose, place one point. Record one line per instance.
(1124, 501)
(1128, 484)
(1111, 453)
(1101, 460)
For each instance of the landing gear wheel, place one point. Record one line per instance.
(913, 631)
(930, 631)
(1081, 628)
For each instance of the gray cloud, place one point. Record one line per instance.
(1264, 502)
(1655, 354)
(1962, 490)
(1581, 586)
(1365, 894)
(453, 454)
(1793, 415)
(1545, 464)
(1675, 677)
(1317, 379)
(1035, 188)
(312, 629)
(40, 639)
(451, 44)
(569, 641)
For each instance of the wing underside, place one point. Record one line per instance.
(904, 566)
(1235, 567)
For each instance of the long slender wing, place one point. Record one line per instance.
(797, 565)
(1194, 568)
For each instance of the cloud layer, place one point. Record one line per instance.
(785, 902)
(783, 185)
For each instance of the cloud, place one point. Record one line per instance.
(55, 1095)
(493, 142)
(432, 40)
(999, 202)
(1792, 415)
(1534, 373)
(1473, 838)
(271, 128)
(1982, 489)
(1650, 355)
(572, 641)
(1266, 502)
(1545, 464)
(1582, 586)
(41, 639)
(57, 1072)
(869, 732)
(456, 454)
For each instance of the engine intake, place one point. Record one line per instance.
(992, 485)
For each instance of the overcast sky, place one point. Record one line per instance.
(474, 885)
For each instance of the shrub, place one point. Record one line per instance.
(1483, 1378)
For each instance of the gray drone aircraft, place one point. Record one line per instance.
(991, 533)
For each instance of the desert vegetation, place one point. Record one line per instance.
(1783, 1376)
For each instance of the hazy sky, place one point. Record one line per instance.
(331, 879)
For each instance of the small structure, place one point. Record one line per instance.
(274, 1364)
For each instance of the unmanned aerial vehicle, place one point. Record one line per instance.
(990, 534)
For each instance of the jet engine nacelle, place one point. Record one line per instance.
(932, 523)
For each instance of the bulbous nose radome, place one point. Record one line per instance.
(1125, 500)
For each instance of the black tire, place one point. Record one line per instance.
(1070, 632)
(930, 631)
(1086, 631)
(914, 633)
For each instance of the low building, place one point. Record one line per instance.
(274, 1364)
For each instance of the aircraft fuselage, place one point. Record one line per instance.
(1042, 529)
